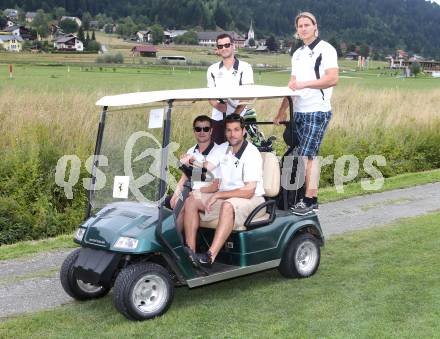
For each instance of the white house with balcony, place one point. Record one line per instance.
(68, 42)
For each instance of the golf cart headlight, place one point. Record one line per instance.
(79, 235)
(126, 243)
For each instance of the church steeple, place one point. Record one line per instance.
(251, 34)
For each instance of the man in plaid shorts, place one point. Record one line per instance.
(314, 73)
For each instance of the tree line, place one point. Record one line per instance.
(411, 25)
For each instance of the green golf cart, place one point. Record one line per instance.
(129, 240)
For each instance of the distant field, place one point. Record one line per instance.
(117, 79)
(196, 54)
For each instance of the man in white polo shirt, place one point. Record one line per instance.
(230, 200)
(314, 73)
(226, 73)
(196, 156)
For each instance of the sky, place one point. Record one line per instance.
(437, 1)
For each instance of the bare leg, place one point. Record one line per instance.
(312, 177)
(179, 219)
(224, 228)
(191, 220)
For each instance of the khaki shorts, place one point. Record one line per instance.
(242, 208)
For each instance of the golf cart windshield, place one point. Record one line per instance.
(129, 167)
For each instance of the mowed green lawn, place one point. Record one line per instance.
(376, 283)
(115, 79)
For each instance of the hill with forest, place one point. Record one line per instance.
(411, 25)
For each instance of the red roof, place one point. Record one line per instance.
(147, 48)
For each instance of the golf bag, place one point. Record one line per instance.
(256, 136)
(292, 188)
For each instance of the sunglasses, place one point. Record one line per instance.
(225, 46)
(204, 129)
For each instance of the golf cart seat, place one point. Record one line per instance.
(271, 184)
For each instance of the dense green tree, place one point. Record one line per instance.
(222, 16)
(416, 68)
(103, 20)
(81, 35)
(86, 18)
(157, 32)
(87, 40)
(41, 23)
(93, 36)
(188, 38)
(272, 44)
(93, 46)
(3, 21)
(364, 50)
(69, 26)
(126, 27)
(336, 45)
(59, 12)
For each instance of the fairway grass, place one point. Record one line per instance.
(32, 247)
(376, 283)
(328, 194)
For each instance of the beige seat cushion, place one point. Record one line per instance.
(271, 174)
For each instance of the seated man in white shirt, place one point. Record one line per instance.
(202, 128)
(233, 197)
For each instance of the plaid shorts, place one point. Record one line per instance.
(310, 127)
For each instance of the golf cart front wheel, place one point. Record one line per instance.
(301, 257)
(143, 291)
(76, 288)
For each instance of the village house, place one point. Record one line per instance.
(94, 24)
(144, 51)
(68, 42)
(262, 49)
(20, 31)
(144, 36)
(351, 56)
(209, 38)
(428, 66)
(174, 33)
(11, 43)
(11, 13)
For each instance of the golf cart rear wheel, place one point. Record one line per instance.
(76, 288)
(143, 291)
(301, 257)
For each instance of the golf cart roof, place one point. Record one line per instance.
(193, 94)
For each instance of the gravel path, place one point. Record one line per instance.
(29, 285)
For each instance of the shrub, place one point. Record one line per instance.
(117, 58)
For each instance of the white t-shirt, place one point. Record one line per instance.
(307, 63)
(214, 152)
(235, 170)
(219, 76)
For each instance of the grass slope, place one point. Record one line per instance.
(380, 282)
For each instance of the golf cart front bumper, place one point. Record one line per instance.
(96, 267)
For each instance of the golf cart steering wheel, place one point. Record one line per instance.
(188, 170)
